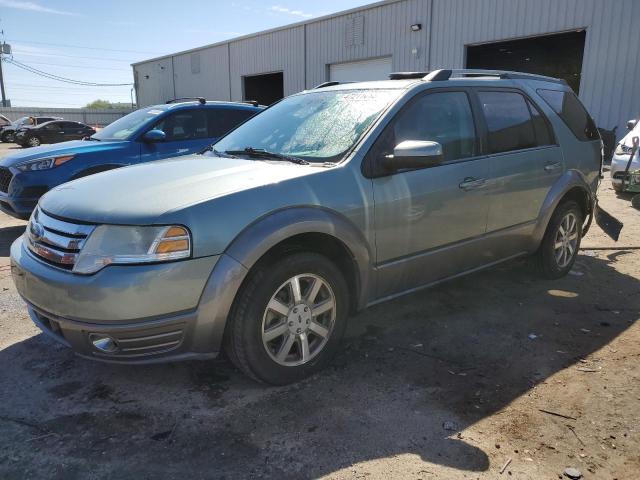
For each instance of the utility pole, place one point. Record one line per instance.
(5, 49)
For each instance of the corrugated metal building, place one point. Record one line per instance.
(594, 44)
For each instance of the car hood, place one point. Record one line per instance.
(139, 194)
(65, 148)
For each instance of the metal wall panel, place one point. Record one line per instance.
(387, 32)
(282, 50)
(154, 82)
(90, 116)
(212, 82)
(610, 69)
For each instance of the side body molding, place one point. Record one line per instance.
(256, 240)
(569, 180)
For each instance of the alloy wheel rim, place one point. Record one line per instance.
(34, 142)
(566, 240)
(298, 320)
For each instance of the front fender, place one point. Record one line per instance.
(262, 235)
(569, 180)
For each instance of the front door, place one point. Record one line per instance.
(427, 220)
(186, 133)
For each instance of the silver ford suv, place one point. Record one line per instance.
(332, 200)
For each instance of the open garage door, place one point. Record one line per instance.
(362, 71)
(265, 89)
(557, 55)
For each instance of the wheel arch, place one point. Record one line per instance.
(571, 186)
(94, 169)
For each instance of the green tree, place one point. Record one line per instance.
(99, 104)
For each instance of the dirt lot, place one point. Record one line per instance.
(447, 383)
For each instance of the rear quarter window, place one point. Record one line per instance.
(572, 113)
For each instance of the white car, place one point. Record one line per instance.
(621, 156)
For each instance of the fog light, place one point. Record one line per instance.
(104, 343)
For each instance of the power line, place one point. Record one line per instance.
(44, 86)
(59, 78)
(34, 54)
(85, 47)
(79, 66)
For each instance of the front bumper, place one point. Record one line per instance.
(153, 313)
(619, 165)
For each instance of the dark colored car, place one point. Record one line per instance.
(52, 132)
(151, 133)
(8, 133)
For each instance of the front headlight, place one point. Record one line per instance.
(120, 245)
(43, 163)
(622, 149)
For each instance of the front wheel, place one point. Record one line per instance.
(8, 137)
(288, 319)
(559, 248)
(33, 142)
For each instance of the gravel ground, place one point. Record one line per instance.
(446, 383)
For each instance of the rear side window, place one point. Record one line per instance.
(509, 123)
(572, 113)
(221, 121)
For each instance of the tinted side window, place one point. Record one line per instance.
(70, 126)
(222, 121)
(443, 117)
(508, 121)
(544, 135)
(571, 111)
(184, 125)
(52, 127)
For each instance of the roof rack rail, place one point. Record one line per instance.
(442, 75)
(406, 75)
(202, 100)
(326, 84)
(252, 102)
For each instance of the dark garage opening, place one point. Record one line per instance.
(266, 89)
(558, 55)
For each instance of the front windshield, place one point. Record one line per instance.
(318, 126)
(124, 127)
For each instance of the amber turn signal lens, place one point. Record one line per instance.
(60, 160)
(169, 246)
(176, 232)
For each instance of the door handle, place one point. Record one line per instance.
(551, 166)
(471, 183)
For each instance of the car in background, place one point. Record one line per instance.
(621, 156)
(55, 131)
(148, 134)
(4, 121)
(8, 133)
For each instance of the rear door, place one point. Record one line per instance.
(71, 131)
(525, 159)
(50, 133)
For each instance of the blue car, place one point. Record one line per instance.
(148, 134)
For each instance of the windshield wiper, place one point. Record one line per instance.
(262, 153)
(217, 153)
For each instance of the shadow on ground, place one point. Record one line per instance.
(446, 357)
(7, 236)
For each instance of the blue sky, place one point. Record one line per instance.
(96, 41)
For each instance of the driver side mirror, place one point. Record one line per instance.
(631, 124)
(413, 154)
(154, 136)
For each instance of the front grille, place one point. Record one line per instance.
(56, 241)
(5, 179)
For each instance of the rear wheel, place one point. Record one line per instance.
(561, 241)
(288, 319)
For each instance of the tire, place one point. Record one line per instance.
(8, 137)
(553, 260)
(33, 142)
(248, 341)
